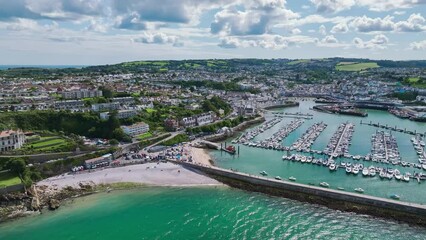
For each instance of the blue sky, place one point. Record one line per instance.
(87, 32)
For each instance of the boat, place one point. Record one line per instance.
(263, 173)
(230, 149)
(292, 178)
(348, 169)
(406, 178)
(359, 190)
(398, 176)
(324, 184)
(365, 172)
(278, 178)
(355, 170)
(340, 188)
(395, 196)
(332, 167)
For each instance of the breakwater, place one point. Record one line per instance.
(335, 199)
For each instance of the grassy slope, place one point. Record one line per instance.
(8, 179)
(354, 67)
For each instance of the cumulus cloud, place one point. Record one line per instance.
(295, 31)
(329, 39)
(340, 28)
(366, 24)
(415, 23)
(267, 41)
(256, 18)
(332, 6)
(158, 38)
(421, 45)
(379, 41)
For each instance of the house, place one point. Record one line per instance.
(11, 140)
(69, 105)
(188, 122)
(205, 118)
(135, 129)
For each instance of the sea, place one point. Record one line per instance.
(227, 213)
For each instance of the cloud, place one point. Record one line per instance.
(295, 31)
(340, 28)
(266, 41)
(421, 45)
(379, 41)
(332, 6)
(415, 23)
(256, 18)
(329, 39)
(158, 38)
(366, 24)
(322, 30)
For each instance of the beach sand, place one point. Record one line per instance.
(162, 174)
(201, 156)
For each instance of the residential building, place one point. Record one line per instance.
(205, 118)
(102, 161)
(81, 93)
(124, 100)
(69, 105)
(102, 107)
(11, 139)
(136, 129)
(188, 122)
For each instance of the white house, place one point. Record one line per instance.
(11, 139)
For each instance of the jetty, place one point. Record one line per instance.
(393, 128)
(334, 199)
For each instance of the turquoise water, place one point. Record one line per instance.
(200, 213)
(253, 160)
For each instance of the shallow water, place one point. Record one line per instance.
(200, 213)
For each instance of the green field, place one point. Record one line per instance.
(413, 79)
(298, 61)
(355, 67)
(43, 143)
(8, 179)
(144, 136)
(150, 110)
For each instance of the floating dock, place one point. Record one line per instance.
(395, 128)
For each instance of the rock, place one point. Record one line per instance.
(34, 204)
(53, 204)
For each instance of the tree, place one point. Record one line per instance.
(106, 92)
(113, 142)
(17, 166)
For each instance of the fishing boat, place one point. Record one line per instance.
(278, 178)
(324, 184)
(359, 190)
(395, 196)
(263, 173)
(292, 178)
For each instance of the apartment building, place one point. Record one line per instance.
(11, 139)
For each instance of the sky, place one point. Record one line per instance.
(92, 32)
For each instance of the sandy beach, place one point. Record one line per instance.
(201, 156)
(162, 174)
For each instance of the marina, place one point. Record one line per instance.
(341, 155)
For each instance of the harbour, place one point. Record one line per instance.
(312, 166)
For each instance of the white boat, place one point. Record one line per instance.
(324, 184)
(372, 172)
(365, 172)
(355, 170)
(406, 178)
(359, 190)
(348, 169)
(340, 188)
(332, 167)
(398, 176)
(278, 178)
(395, 196)
(263, 173)
(292, 178)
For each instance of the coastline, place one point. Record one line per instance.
(201, 156)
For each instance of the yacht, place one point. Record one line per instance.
(365, 172)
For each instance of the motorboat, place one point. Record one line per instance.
(359, 190)
(263, 173)
(365, 172)
(278, 178)
(292, 178)
(324, 184)
(332, 167)
(395, 196)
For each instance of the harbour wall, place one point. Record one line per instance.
(334, 199)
